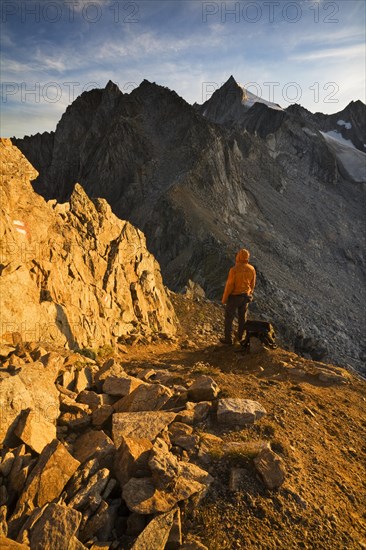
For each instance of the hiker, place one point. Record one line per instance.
(238, 294)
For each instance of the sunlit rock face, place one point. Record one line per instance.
(73, 273)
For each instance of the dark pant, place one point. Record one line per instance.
(236, 304)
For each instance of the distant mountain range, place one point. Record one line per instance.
(203, 180)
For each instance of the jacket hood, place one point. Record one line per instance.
(242, 256)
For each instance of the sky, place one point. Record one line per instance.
(310, 52)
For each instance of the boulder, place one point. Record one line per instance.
(164, 465)
(121, 385)
(67, 404)
(200, 410)
(239, 412)
(146, 424)
(156, 534)
(6, 350)
(101, 415)
(93, 444)
(75, 420)
(203, 389)
(131, 457)
(109, 368)
(83, 380)
(110, 519)
(31, 387)
(53, 527)
(142, 495)
(175, 536)
(53, 469)
(270, 467)
(147, 397)
(35, 430)
(90, 398)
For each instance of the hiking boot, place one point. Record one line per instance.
(226, 342)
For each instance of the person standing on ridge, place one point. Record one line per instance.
(238, 293)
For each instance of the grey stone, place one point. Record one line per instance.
(271, 468)
(93, 444)
(131, 457)
(146, 425)
(121, 385)
(146, 397)
(55, 528)
(203, 389)
(54, 468)
(156, 534)
(35, 430)
(239, 412)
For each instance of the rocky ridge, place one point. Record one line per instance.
(200, 189)
(85, 277)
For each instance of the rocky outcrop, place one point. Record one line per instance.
(200, 188)
(74, 274)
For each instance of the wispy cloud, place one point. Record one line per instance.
(170, 44)
(338, 53)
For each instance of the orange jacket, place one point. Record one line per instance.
(241, 278)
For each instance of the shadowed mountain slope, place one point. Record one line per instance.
(199, 190)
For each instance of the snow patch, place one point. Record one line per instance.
(333, 134)
(351, 161)
(347, 125)
(249, 99)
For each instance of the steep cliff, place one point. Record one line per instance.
(74, 273)
(199, 190)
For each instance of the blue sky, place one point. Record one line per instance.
(310, 52)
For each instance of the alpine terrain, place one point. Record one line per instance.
(123, 424)
(202, 181)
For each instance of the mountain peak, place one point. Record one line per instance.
(231, 80)
(111, 87)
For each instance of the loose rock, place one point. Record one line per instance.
(239, 412)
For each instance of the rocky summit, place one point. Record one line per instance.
(203, 181)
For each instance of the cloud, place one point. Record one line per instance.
(338, 53)
(172, 46)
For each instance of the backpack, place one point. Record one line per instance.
(262, 330)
